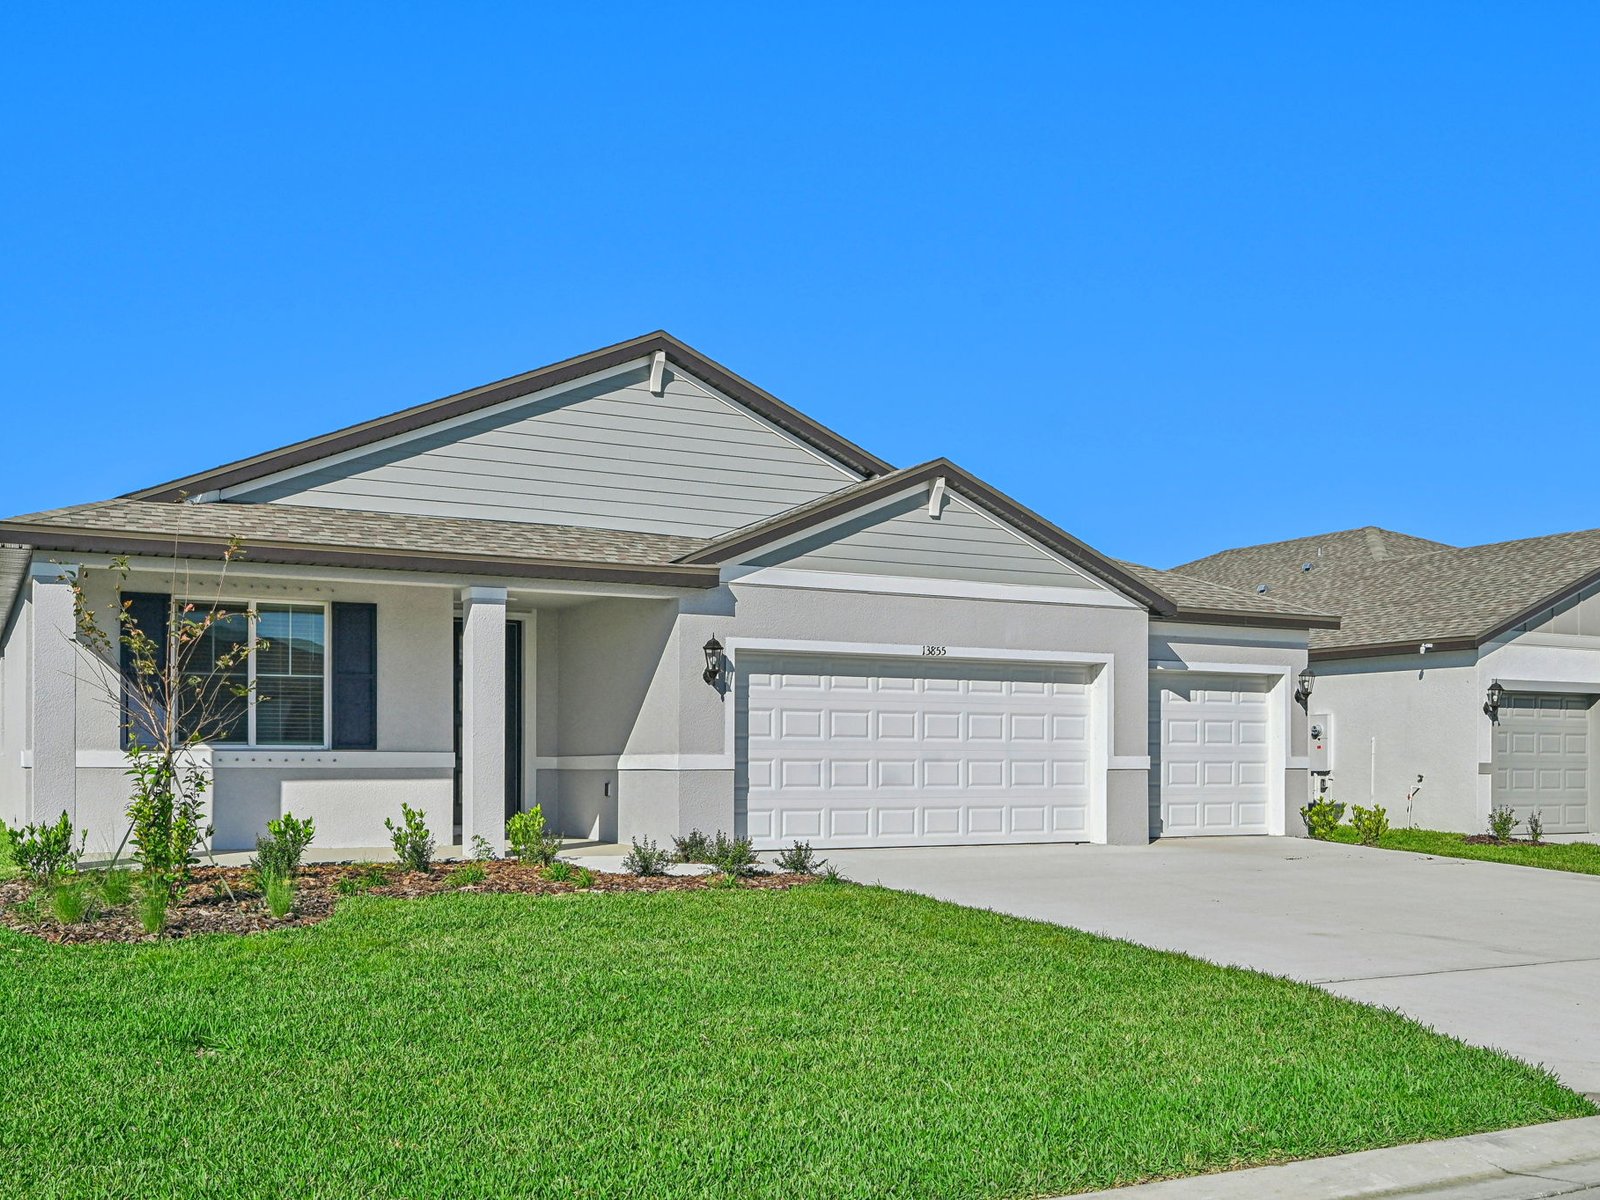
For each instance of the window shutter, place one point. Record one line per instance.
(151, 612)
(355, 676)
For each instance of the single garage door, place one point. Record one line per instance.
(1208, 754)
(903, 752)
(1541, 759)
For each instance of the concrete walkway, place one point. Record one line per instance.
(1559, 1159)
(1501, 956)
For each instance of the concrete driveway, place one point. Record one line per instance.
(1500, 956)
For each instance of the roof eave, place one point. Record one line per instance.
(1394, 648)
(302, 554)
(1226, 616)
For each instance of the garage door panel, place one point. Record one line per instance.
(874, 752)
(1541, 759)
(1210, 738)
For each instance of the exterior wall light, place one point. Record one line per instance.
(713, 671)
(1305, 683)
(1493, 699)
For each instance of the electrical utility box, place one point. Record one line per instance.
(1321, 743)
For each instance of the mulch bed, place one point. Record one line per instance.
(207, 908)
(1484, 839)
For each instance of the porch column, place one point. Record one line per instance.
(483, 716)
(53, 723)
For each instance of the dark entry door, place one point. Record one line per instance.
(513, 718)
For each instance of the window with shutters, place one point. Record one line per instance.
(286, 673)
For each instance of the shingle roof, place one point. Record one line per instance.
(1194, 596)
(267, 530)
(1463, 595)
(1276, 563)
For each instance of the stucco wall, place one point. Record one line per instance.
(14, 712)
(1397, 718)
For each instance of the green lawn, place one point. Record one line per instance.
(1582, 857)
(830, 1041)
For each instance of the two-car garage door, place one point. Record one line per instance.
(848, 751)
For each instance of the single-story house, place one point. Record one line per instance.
(644, 593)
(1459, 679)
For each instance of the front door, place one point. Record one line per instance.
(513, 719)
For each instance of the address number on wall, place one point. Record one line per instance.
(934, 651)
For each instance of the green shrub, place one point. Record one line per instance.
(733, 856)
(8, 855)
(46, 851)
(530, 841)
(467, 874)
(1503, 822)
(833, 875)
(1322, 817)
(692, 847)
(559, 871)
(116, 886)
(374, 875)
(70, 903)
(1535, 827)
(1370, 824)
(799, 859)
(279, 894)
(583, 878)
(280, 852)
(413, 844)
(153, 900)
(726, 879)
(482, 851)
(646, 858)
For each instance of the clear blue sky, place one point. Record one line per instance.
(1179, 276)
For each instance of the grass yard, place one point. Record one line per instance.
(830, 1041)
(1582, 857)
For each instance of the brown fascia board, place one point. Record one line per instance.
(1231, 616)
(295, 554)
(1393, 649)
(422, 415)
(966, 485)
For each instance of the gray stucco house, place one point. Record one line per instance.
(639, 590)
(1460, 677)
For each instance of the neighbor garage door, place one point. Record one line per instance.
(1208, 755)
(1541, 759)
(900, 752)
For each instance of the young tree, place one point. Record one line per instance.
(180, 685)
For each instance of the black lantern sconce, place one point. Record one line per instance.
(713, 671)
(1492, 700)
(1304, 684)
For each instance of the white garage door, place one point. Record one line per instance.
(1541, 759)
(1208, 753)
(900, 752)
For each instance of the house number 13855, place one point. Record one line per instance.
(934, 651)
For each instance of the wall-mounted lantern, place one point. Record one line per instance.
(1493, 699)
(713, 671)
(1304, 684)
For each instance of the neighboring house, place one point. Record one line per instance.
(1467, 673)
(641, 591)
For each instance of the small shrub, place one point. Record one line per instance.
(1502, 822)
(1535, 827)
(467, 874)
(46, 851)
(375, 875)
(692, 847)
(1322, 817)
(646, 858)
(413, 844)
(116, 887)
(8, 855)
(559, 871)
(1370, 824)
(726, 879)
(733, 856)
(482, 851)
(153, 908)
(279, 894)
(530, 841)
(69, 903)
(280, 852)
(799, 859)
(834, 875)
(583, 878)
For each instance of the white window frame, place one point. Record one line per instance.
(252, 608)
